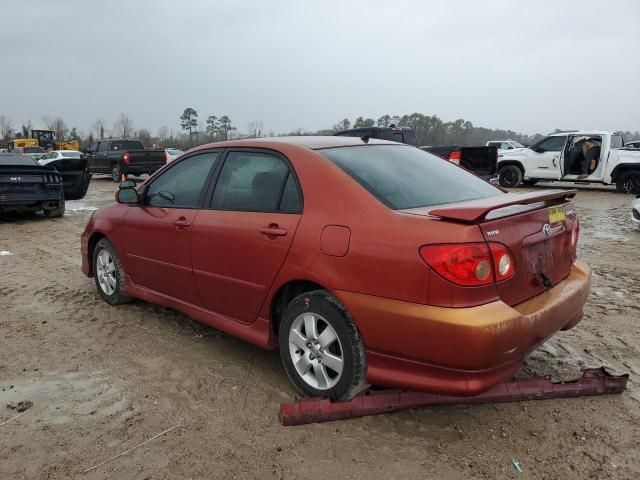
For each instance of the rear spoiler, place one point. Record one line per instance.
(473, 211)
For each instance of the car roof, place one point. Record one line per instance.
(311, 142)
(582, 132)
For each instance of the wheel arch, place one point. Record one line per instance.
(91, 246)
(517, 163)
(283, 296)
(623, 168)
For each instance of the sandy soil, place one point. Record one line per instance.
(104, 379)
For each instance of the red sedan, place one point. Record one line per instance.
(363, 261)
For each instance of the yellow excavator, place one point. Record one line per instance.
(44, 139)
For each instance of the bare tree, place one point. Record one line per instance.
(47, 121)
(26, 129)
(59, 128)
(97, 129)
(123, 126)
(255, 128)
(6, 128)
(144, 136)
(163, 135)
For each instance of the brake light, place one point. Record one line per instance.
(466, 264)
(125, 157)
(166, 157)
(575, 233)
(503, 263)
(470, 264)
(455, 156)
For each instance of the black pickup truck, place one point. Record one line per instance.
(119, 157)
(483, 161)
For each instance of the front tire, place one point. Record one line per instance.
(321, 348)
(629, 182)
(510, 176)
(109, 274)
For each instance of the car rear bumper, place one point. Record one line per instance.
(461, 351)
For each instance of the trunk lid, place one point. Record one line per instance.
(146, 157)
(536, 227)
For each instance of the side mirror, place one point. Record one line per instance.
(127, 193)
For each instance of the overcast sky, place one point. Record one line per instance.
(529, 66)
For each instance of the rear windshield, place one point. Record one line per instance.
(34, 150)
(127, 145)
(406, 177)
(616, 141)
(17, 160)
(71, 154)
(171, 151)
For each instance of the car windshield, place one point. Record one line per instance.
(517, 144)
(20, 160)
(406, 177)
(172, 151)
(71, 154)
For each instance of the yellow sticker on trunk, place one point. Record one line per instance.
(556, 214)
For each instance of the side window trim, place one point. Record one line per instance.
(223, 159)
(206, 186)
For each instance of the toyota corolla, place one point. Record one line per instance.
(363, 261)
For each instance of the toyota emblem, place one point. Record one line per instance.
(546, 228)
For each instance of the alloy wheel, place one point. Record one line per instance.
(106, 272)
(316, 352)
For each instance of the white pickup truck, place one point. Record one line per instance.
(550, 159)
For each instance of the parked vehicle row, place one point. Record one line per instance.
(363, 261)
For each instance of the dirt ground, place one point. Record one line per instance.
(103, 379)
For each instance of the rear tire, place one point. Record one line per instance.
(510, 176)
(109, 274)
(55, 212)
(629, 182)
(321, 348)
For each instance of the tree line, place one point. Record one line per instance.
(429, 129)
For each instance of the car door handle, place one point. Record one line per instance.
(182, 223)
(274, 231)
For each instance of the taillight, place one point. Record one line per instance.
(503, 263)
(166, 157)
(466, 264)
(455, 156)
(125, 157)
(470, 264)
(575, 233)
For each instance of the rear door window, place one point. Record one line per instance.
(404, 177)
(255, 182)
(393, 135)
(127, 145)
(182, 185)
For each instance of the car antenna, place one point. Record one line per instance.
(365, 138)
